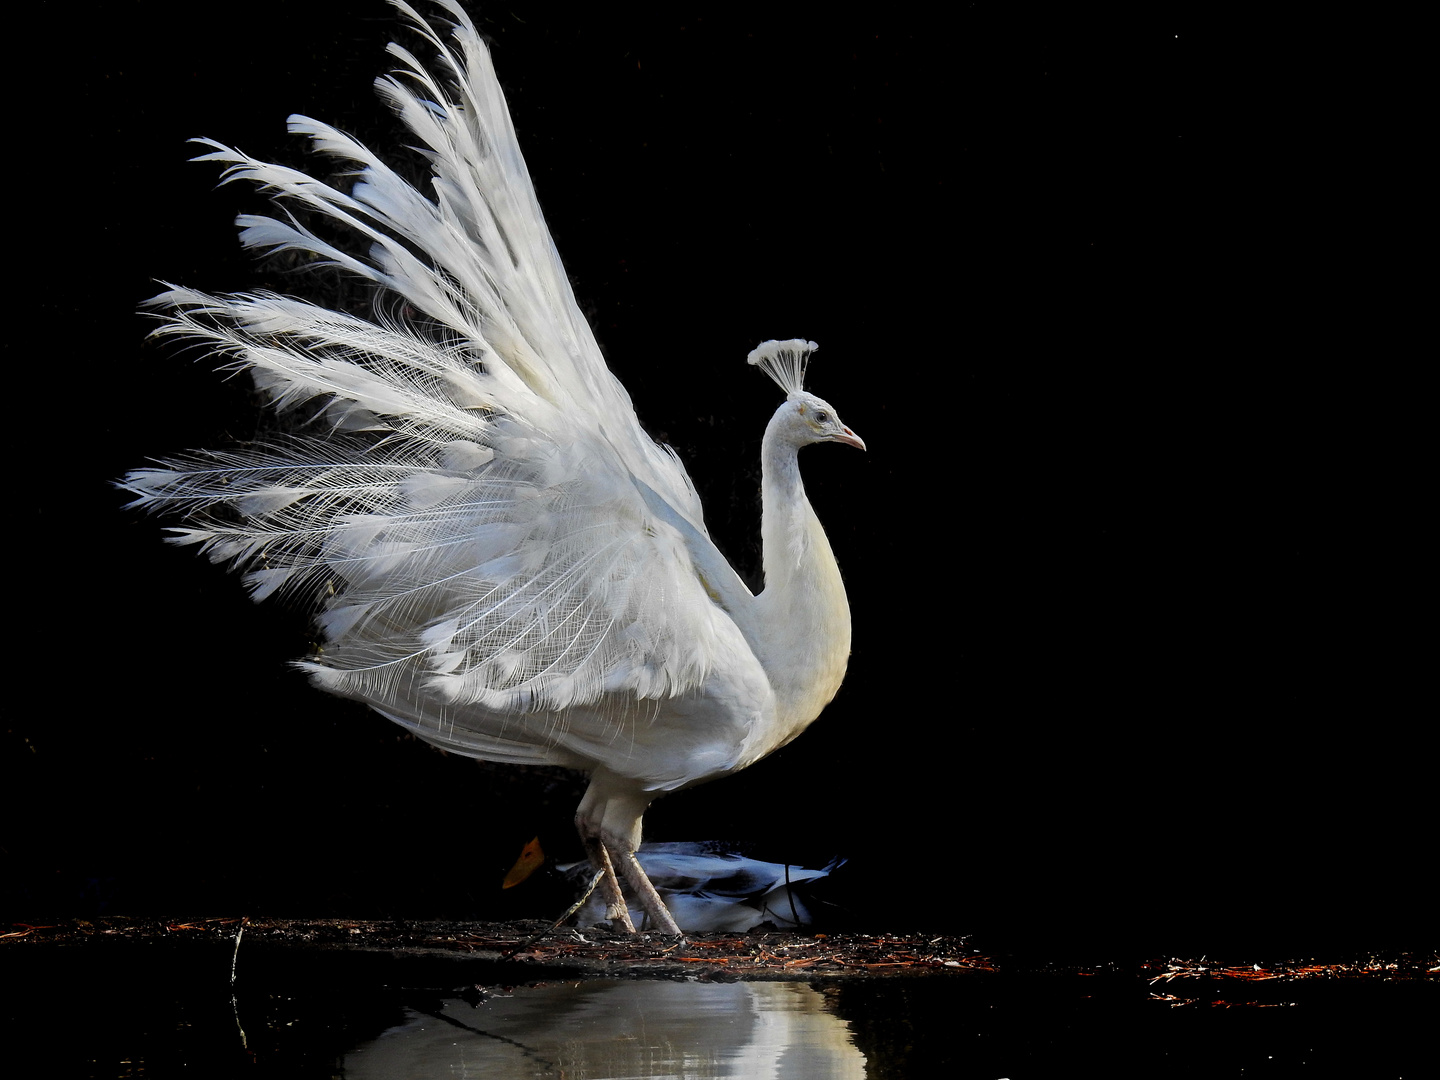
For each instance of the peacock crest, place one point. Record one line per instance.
(785, 362)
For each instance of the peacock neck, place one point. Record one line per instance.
(803, 622)
(787, 521)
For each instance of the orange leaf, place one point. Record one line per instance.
(532, 857)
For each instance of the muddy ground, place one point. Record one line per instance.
(517, 952)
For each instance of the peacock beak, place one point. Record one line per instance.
(849, 438)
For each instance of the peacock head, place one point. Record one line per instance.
(809, 419)
(804, 418)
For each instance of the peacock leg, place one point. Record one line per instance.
(645, 892)
(616, 910)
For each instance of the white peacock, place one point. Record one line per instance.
(500, 559)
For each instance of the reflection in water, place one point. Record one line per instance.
(620, 1029)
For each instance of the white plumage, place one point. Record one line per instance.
(501, 560)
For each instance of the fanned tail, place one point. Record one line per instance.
(469, 497)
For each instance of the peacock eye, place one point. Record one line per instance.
(822, 416)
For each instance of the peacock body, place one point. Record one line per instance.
(499, 558)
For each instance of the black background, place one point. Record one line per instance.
(1132, 667)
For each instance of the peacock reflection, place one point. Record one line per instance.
(612, 1029)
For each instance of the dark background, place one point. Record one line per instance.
(1133, 666)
